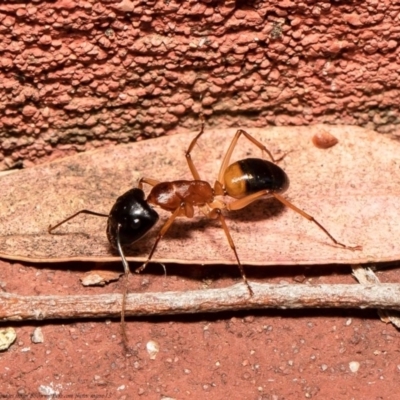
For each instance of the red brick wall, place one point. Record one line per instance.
(79, 74)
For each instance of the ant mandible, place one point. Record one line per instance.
(247, 180)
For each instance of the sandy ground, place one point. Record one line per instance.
(326, 354)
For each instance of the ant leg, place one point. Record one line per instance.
(50, 229)
(216, 213)
(232, 146)
(149, 181)
(179, 211)
(312, 219)
(245, 201)
(189, 160)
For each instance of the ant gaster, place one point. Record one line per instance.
(247, 180)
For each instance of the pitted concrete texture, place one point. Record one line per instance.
(82, 74)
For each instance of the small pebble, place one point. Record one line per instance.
(324, 140)
(152, 348)
(7, 338)
(37, 336)
(354, 366)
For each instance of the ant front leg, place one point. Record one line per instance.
(179, 211)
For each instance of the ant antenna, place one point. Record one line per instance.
(125, 293)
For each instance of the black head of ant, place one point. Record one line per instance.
(130, 218)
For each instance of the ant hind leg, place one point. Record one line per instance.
(312, 219)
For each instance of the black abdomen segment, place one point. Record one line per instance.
(251, 175)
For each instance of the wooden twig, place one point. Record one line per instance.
(366, 276)
(14, 307)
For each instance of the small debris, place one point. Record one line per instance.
(49, 390)
(354, 366)
(25, 349)
(37, 336)
(324, 140)
(7, 338)
(299, 278)
(152, 348)
(324, 367)
(99, 278)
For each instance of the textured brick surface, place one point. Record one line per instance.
(79, 74)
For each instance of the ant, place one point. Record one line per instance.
(247, 180)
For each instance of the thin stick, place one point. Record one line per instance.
(14, 307)
(366, 276)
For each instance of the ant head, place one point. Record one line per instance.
(134, 217)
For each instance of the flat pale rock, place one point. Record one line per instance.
(353, 189)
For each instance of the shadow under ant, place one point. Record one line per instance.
(184, 229)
